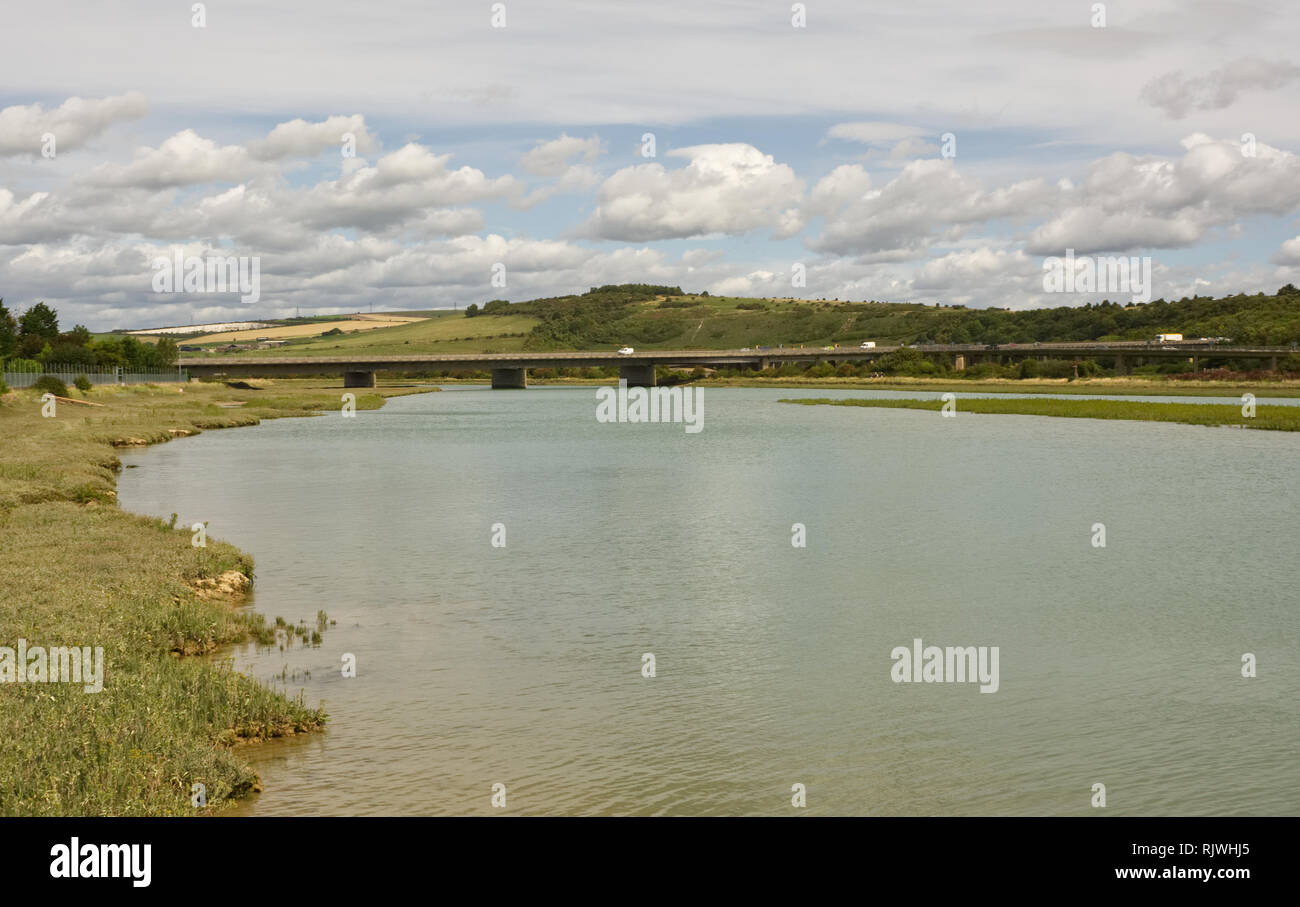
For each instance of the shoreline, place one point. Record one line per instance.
(161, 737)
(1062, 386)
(1214, 415)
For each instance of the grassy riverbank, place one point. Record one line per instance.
(1080, 387)
(1277, 418)
(76, 570)
(1089, 387)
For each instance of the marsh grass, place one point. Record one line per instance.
(76, 570)
(1276, 418)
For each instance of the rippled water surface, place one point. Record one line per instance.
(522, 665)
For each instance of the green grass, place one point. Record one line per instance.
(76, 570)
(444, 332)
(1081, 387)
(1276, 418)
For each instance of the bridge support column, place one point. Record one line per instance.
(1121, 365)
(959, 362)
(637, 375)
(358, 379)
(1272, 363)
(509, 378)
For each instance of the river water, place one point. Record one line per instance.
(522, 665)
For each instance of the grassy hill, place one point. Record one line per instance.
(656, 317)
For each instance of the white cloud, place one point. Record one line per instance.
(929, 199)
(731, 188)
(1289, 254)
(553, 158)
(299, 138)
(182, 160)
(1129, 202)
(394, 191)
(975, 268)
(73, 123)
(1178, 95)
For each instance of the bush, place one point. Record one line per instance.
(82, 383)
(1057, 368)
(51, 385)
(4, 388)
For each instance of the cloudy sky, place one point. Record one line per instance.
(918, 151)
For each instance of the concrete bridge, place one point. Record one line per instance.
(510, 370)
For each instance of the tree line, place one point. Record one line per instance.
(33, 341)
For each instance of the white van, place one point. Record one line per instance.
(868, 345)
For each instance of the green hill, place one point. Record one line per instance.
(659, 317)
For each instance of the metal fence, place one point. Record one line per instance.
(25, 376)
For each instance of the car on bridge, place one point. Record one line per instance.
(867, 345)
(625, 351)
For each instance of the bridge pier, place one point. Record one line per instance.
(1121, 365)
(1272, 363)
(358, 379)
(509, 378)
(959, 362)
(637, 375)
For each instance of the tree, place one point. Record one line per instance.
(39, 321)
(166, 351)
(471, 310)
(79, 335)
(63, 353)
(8, 332)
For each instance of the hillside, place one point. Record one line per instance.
(654, 317)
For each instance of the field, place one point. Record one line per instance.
(703, 322)
(355, 323)
(1083, 387)
(1277, 418)
(78, 571)
(449, 332)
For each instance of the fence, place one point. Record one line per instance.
(26, 376)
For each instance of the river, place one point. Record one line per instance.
(522, 665)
